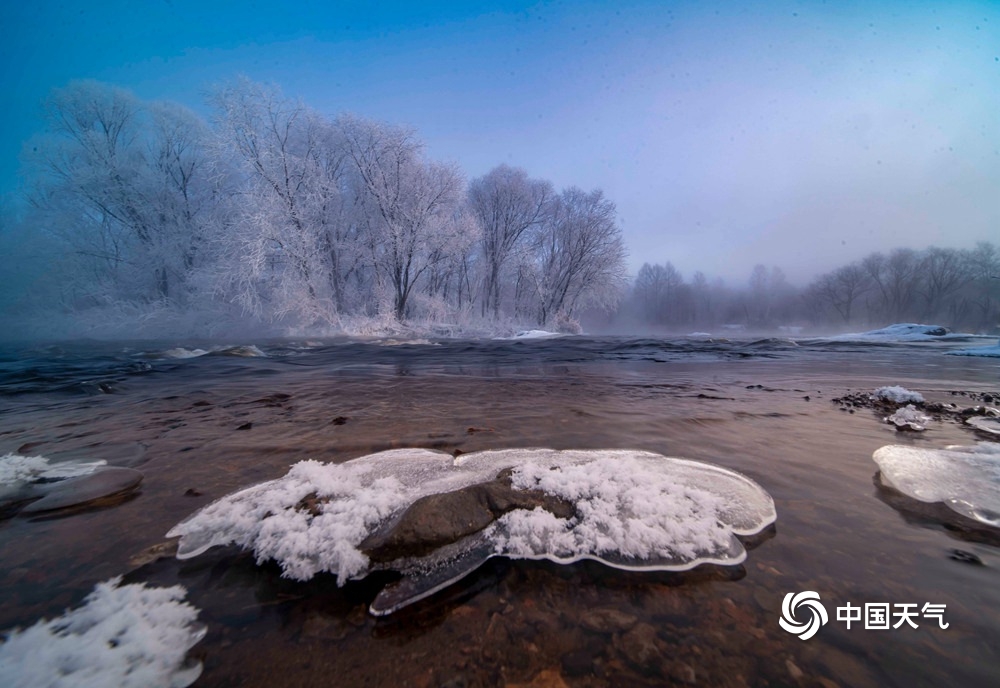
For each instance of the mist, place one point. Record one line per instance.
(762, 154)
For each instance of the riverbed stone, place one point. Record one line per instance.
(439, 519)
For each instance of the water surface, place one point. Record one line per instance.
(201, 427)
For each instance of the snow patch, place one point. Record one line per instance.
(897, 395)
(123, 635)
(966, 479)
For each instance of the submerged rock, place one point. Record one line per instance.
(435, 518)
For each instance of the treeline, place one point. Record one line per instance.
(952, 287)
(274, 212)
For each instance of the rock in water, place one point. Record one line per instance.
(439, 519)
(101, 484)
(435, 518)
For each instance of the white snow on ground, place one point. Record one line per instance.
(897, 394)
(966, 479)
(16, 469)
(130, 635)
(909, 417)
(636, 509)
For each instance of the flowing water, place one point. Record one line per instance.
(204, 426)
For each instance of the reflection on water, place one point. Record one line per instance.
(199, 428)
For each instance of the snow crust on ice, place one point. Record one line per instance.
(903, 332)
(966, 479)
(898, 395)
(987, 351)
(181, 352)
(635, 510)
(908, 330)
(16, 469)
(132, 636)
(535, 334)
(909, 417)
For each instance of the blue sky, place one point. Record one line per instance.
(801, 134)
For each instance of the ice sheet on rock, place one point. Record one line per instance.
(966, 479)
(79, 490)
(123, 635)
(50, 486)
(989, 425)
(635, 510)
(181, 352)
(898, 395)
(900, 332)
(985, 351)
(535, 334)
(16, 469)
(909, 417)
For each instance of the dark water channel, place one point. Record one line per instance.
(199, 428)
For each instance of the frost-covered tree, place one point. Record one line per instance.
(841, 290)
(984, 285)
(661, 291)
(577, 258)
(408, 207)
(507, 204)
(943, 272)
(124, 184)
(767, 301)
(895, 278)
(292, 243)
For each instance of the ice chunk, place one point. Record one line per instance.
(630, 509)
(898, 395)
(966, 479)
(123, 635)
(909, 418)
